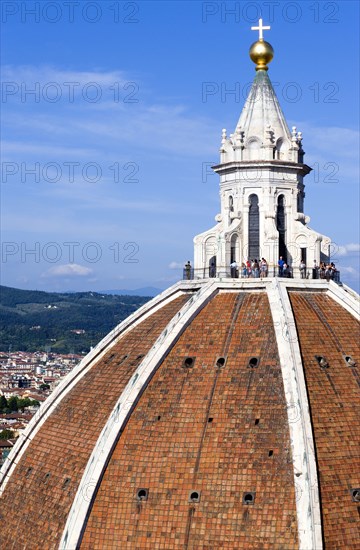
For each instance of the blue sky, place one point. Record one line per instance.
(112, 113)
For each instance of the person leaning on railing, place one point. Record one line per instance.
(315, 270)
(322, 270)
(302, 268)
(263, 268)
(255, 269)
(187, 270)
(234, 269)
(330, 271)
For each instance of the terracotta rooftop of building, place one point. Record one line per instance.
(16, 416)
(7, 443)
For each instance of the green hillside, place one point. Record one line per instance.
(32, 320)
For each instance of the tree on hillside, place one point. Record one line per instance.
(23, 403)
(13, 404)
(7, 434)
(3, 403)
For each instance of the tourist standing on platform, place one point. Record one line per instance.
(263, 268)
(255, 268)
(234, 269)
(315, 270)
(187, 269)
(302, 268)
(281, 264)
(248, 269)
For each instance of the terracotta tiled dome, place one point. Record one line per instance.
(222, 414)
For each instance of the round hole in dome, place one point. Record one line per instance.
(142, 494)
(322, 361)
(220, 362)
(253, 362)
(188, 362)
(355, 494)
(66, 483)
(194, 496)
(248, 498)
(350, 361)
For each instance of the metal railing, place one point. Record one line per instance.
(272, 271)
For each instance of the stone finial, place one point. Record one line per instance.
(237, 140)
(294, 140)
(269, 134)
(299, 136)
(239, 136)
(223, 141)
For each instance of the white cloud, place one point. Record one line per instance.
(66, 270)
(23, 279)
(145, 125)
(30, 75)
(332, 152)
(347, 249)
(11, 147)
(331, 140)
(166, 280)
(146, 128)
(175, 265)
(349, 270)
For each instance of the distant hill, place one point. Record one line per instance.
(70, 322)
(146, 291)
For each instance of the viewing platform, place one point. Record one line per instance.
(272, 271)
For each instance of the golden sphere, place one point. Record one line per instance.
(261, 53)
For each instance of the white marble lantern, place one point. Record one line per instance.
(261, 173)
